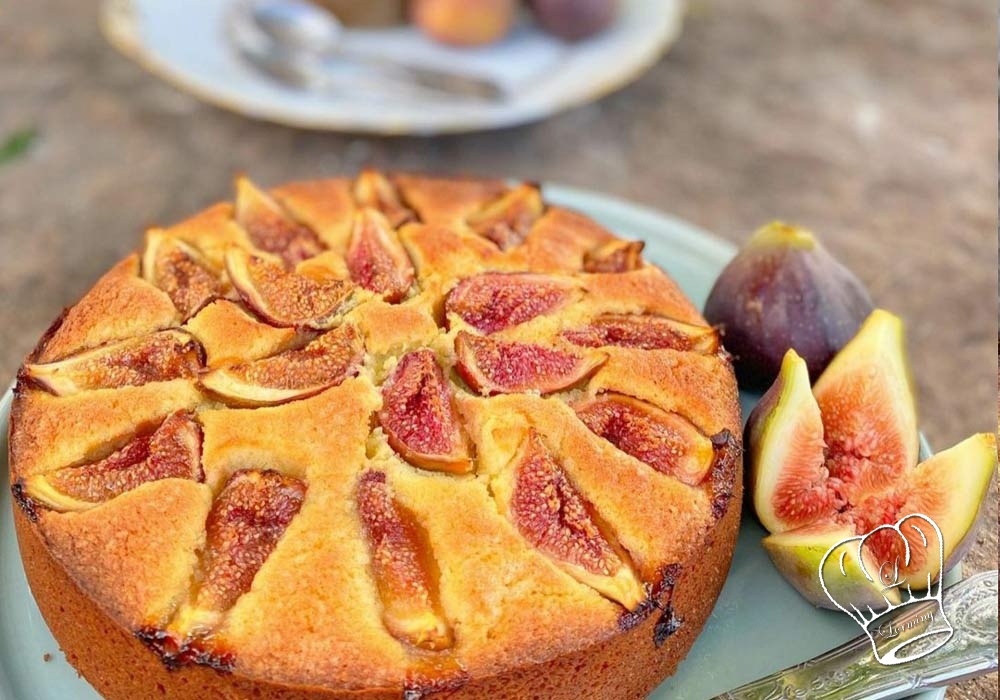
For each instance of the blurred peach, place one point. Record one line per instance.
(464, 22)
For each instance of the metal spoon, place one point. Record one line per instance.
(300, 44)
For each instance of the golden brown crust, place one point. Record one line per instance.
(523, 623)
(121, 305)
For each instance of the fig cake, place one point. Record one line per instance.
(392, 436)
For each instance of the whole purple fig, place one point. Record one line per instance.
(784, 290)
(574, 19)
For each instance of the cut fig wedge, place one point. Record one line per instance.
(797, 554)
(493, 301)
(402, 566)
(491, 366)
(813, 457)
(171, 451)
(247, 520)
(868, 405)
(863, 480)
(159, 357)
(419, 418)
(376, 259)
(507, 220)
(181, 271)
(919, 529)
(668, 442)
(294, 374)
(538, 498)
(614, 256)
(949, 488)
(283, 298)
(789, 480)
(271, 228)
(373, 189)
(644, 332)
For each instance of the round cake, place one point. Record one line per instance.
(386, 437)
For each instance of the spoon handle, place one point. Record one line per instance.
(433, 79)
(851, 671)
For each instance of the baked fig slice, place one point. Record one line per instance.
(789, 479)
(668, 442)
(867, 401)
(402, 566)
(498, 367)
(536, 495)
(614, 256)
(158, 357)
(181, 271)
(419, 418)
(271, 228)
(508, 219)
(171, 451)
(284, 298)
(644, 332)
(376, 259)
(373, 189)
(294, 374)
(492, 301)
(244, 526)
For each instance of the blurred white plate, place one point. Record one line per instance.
(183, 42)
(759, 624)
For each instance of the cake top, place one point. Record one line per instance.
(394, 429)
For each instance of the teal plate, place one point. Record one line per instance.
(759, 625)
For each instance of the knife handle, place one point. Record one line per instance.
(852, 672)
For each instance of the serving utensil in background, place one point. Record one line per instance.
(851, 671)
(301, 45)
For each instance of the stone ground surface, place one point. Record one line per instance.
(872, 122)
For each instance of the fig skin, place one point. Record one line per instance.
(574, 19)
(784, 290)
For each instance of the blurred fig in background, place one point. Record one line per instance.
(574, 19)
(784, 290)
(464, 22)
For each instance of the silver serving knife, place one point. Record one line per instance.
(851, 671)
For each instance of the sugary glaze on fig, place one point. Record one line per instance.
(172, 451)
(181, 272)
(324, 362)
(498, 367)
(376, 258)
(614, 256)
(283, 297)
(494, 301)
(507, 221)
(158, 357)
(341, 372)
(645, 332)
(668, 442)
(418, 415)
(402, 567)
(271, 228)
(248, 518)
(372, 189)
(551, 514)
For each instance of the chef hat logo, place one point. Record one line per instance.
(912, 624)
